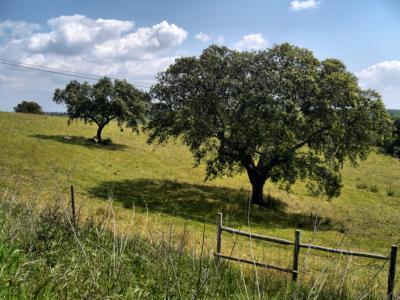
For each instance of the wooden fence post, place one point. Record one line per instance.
(296, 254)
(73, 206)
(392, 272)
(219, 232)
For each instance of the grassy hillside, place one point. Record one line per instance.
(163, 189)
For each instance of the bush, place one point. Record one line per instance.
(28, 107)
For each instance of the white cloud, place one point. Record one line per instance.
(142, 43)
(17, 29)
(74, 34)
(202, 37)
(385, 78)
(253, 41)
(220, 39)
(12, 81)
(106, 39)
(297, 5)
(104, 47)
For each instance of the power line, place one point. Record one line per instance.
(47, 68)
(59, 71)
(49, 71)
(64, 72)
(143, 84)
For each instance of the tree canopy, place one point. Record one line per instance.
(279, 114)
(29, 107)
(104, 101)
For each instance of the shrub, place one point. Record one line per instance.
(28, 107)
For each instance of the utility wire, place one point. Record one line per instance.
(43, 67)
(67, 72)
(59, 71)
(49, 71)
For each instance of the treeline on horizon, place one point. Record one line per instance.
(395, 113)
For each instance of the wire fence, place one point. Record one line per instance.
(268, 256)
(297, 245)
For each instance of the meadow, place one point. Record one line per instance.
(156, 192)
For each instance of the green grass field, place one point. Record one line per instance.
(166, 190)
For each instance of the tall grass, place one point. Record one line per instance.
(42, 255)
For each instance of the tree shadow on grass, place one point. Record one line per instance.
(79, 140)
(202, 203)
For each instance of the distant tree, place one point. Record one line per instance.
(392, 144)
(104, 101)
(395, 113)
(29, 107)
(279, 114)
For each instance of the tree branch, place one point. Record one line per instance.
(94, 120)
(280, 159)
(303, 143)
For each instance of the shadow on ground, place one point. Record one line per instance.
(202, 203)
(79, 140)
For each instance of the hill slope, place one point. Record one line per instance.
(165, 189)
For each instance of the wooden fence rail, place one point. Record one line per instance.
(296, 253)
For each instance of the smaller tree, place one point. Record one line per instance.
(28, 107)
(104, 101)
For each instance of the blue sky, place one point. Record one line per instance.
(137, 39)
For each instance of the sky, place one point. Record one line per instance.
(135, 40)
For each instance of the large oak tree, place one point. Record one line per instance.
(104, 101)
(279, 114)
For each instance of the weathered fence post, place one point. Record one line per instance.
(73, 206)
(219, 232)
(296, 254)
(392, 272)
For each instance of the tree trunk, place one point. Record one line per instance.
(257, 196)
(257, 181)
(98, 135)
